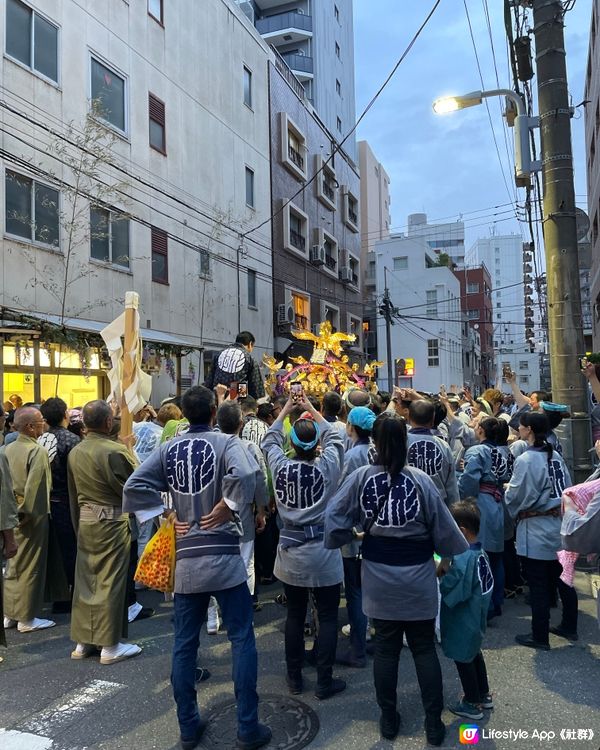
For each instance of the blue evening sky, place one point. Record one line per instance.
(447, 165)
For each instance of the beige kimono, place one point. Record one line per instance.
(33, 575)
(8, 520)
(97, 470)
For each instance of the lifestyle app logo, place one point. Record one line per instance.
(468, 734)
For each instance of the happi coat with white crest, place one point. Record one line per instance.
(35, 574)
(302, 491)
(431, 454)
(413, 522)
(536, 486)
(197, 469)
(485, 472)
(359, 455)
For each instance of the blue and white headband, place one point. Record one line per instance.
(303, 444)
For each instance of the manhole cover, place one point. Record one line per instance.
(293, 723)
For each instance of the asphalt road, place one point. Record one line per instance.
(49, 702)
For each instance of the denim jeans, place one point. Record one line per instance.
(327, 599)
(190, 613)
(356, 616)
(420, 635)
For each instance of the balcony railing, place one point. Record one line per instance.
(301, 63)
(330, 262)
(301, 321)
(297, 240)
(352, 216)
(355, 279)
(296, 157)
(281, 21)
(328, 191)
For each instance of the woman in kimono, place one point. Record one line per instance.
(303, 486)
(485, 472)
(405, 520)
(533, 499)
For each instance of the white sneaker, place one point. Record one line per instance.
(27, 626)
(8, 623)
(346, 630)
(113, 654)
(213, 621)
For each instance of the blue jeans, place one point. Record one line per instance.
(356, 616)
(190, 613)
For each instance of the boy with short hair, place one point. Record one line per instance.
(466, 589)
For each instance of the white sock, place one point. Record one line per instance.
(133, 611)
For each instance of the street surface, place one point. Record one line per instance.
(49, 702)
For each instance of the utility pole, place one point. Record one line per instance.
(386, 311)
(565, 325)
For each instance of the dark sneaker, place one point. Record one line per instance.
(336, 686)
(295, 684)
(389, 726)
(487, 702)
(202, 674)
(435, 731)
(192, 742)
(564, 633)
(528, 640)
(346, 659)
(261, 736)
(466, 709)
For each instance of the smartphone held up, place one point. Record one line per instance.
(296, 392)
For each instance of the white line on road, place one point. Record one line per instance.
(68, 708)
(13, 740)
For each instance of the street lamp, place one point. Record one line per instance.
(524, 165)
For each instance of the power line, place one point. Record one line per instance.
(339, 145)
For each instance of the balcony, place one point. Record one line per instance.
(297, 240)
(296, 157)
(330, 262)
(352, 215)
(300, 65)
(301, 321)
(328, 191)
(285, 28)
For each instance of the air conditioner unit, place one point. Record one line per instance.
(346, 274)
(317, 255)
(286, 314)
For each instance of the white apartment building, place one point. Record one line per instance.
(316, 40)
(428, 327)
(179, 102)
(448, 238)
(524, 363)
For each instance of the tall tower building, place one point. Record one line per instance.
(316, 40)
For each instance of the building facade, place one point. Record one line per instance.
(316, 221)
(447, 239)
(168, 105)
(375, 222)
(428, 323)
(476, 306)
(315, 38)
(592, 135)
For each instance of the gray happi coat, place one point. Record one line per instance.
(356, 457)
(432, 455)
(413, 512)
(302, 491)
(197, 469)
(537, 485)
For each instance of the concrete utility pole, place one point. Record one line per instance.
(565, 325)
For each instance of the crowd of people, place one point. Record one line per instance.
(427, 510)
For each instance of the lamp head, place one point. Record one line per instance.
(446, 104)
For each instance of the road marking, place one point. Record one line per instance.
(69, 707)
(13, 740)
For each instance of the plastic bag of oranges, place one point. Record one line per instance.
(156, 568)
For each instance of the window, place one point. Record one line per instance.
(431, 299)
(251, 288)
(155, 9)
(524, 365)
(293, 146)
(354, 266)
(301, 305)
(108, 95)
(247, 87)
(473, 314)
(31, 39)
(337, 50)
(32, 210)
(336, 12)
(109, 236)
(350, 209)
(433, 353)
(295, 230)
(339, 124)
(326, 182)
(401, 264)
(472, 287)
(160, 255)
(156, 114)
(524, 379)
(249, 187)
(204, 256)
(355, 326)
(332, 314)
(330, 244)
(338, 87)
